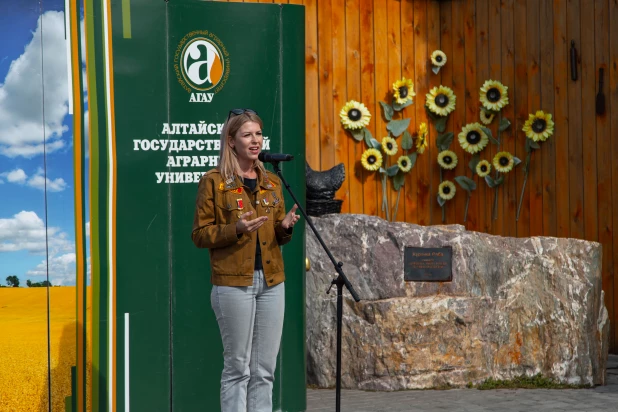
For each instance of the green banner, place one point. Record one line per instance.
(168, 73)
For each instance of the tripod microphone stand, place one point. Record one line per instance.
(340, 281)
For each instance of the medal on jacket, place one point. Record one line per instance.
(265, 201)
(239, 203)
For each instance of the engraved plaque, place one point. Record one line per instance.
(428, 264)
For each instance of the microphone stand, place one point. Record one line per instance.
(340, 281)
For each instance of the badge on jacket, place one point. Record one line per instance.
(239, 203)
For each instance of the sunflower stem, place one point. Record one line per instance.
(397, 204)
(467, 203)
(443, 210)
(384, 201)
(495, 211)
(521, 197)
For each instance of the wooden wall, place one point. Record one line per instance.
(356, 49)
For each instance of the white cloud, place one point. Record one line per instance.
(88, 229)
(26, 231)
(22, 98)
(16, 176)
(61, 269)
(38, 180)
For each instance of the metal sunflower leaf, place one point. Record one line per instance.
(406, 141)
(516, 160)
(441, 124)
(375, 144)
(431, 114)
(412, 157)
(490, 135)
(397, 127)
(387, 109)
(504, 124)
(382, 170)
(435, 69)
(473, 162)
(531, 145)
(368, 137)
(392, 171)
(466, 183)
(490, 181)
(441, 201)
(500, 180)
(399, 180)
(444, 140)
(358, 134)
(399, 107)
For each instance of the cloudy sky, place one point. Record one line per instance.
(34, 115)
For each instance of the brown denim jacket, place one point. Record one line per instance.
(232, 256)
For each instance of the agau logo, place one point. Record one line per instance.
(202, 65)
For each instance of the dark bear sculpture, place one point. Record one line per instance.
(321, 188)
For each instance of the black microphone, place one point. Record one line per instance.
(274, 157)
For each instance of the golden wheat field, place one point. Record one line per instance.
(23, 347)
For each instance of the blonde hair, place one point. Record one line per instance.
(228, 162)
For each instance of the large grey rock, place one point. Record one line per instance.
(515, 306)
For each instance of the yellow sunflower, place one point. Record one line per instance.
(503, 162)
(404, 164)
(483, 168)
(447, 159)
(422, 141)
(494, 95)
(438, 58)
(371, 159)
(354, 115)
(539, 127)
(403, 90)
(472, 138)
(389, 145)
(486, 117)
(446, 190)
(441, 100)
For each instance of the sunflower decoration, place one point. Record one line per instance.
(483, 168)
(472, 138)
(447, 159)
(539, 126)
(441, 100)
(503, 162)
(486, 116)
(403, 91)
(422, 141)
(438, 59)
(389, 145)
(446, 190)
(371, 159)
(404, 163)
(494, 95)
(354, 115)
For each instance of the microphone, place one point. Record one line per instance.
(274, 157)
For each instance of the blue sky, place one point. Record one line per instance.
(22, 126)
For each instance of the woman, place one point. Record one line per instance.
(240, 217)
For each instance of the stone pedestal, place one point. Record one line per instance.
(515, 306)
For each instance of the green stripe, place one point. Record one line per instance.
(126, 19)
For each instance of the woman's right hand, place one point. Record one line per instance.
(248, 226)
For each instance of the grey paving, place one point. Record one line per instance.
(598, 399)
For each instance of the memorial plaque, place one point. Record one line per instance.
(426, 264)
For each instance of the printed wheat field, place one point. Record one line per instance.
(23, 348)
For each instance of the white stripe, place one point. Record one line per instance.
(111, 320)
(126, 362)
(67, 29)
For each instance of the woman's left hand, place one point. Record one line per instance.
(291, 218)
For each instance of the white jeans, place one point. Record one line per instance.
(250, 320)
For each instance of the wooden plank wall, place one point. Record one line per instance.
(356, 49)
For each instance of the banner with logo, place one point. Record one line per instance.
(166, 75)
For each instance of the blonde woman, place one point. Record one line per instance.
(240, 217)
